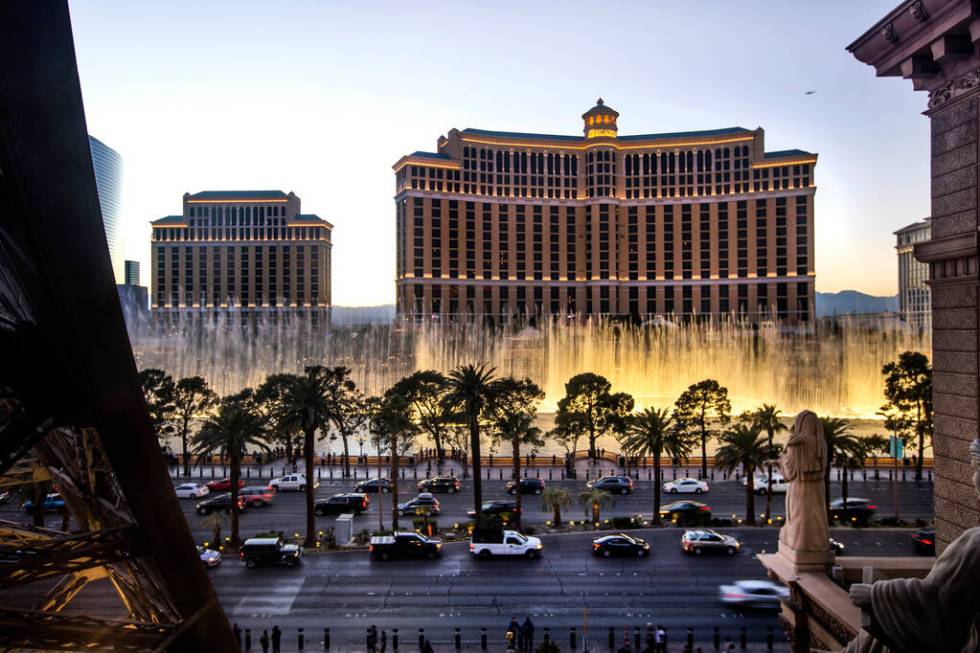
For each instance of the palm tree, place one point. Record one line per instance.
(592, 499)
(304, 406)
(215, 522)
(518, 428)
(192, 399)
(766, 417)
(654, 433)
(392, 421)
(743, 446)
(471, 389)
(236, 426)
(554, 499)
(840, 441)
(876, 444)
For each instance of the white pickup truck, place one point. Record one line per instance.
(485, 543)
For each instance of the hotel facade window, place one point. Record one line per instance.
(690, 224)
(914, 296)
(248, 250)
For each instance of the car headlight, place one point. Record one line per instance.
(539, 546)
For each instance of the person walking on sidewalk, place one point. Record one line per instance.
(527, 634)
(276, 639)
(264, 641)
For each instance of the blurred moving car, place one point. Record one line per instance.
(223, 485)
(686, 512)
(761, 481)
(686, 485)
(447, 484)
(4, 497)
(264, 550)
(924, 541)
(404, 545)
(836, 547)
(52, 503)
(257, 496)
(613, 484)
(340, 504)
(192, 490)
(373, 485)
(498, 507)
(487, 542)
(423, 501)
(752, 594)
(857, 511)
(209, 557)
(525, 486)
(295, 482)
(703, 541)
(620, 544)
(220, 503)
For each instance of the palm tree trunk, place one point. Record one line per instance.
(769, 486)
(750, 496)
(843, 485)
(343, 438)
(592, 451)
(922, 443)
(381, 512)
(310, 518)
(183, 441)
(557, 515)
(440, 449)
(595, 513)
(704, 453)
(394, 481)
(656, 488)
(517, 478)
(236, 473)
(475, 452)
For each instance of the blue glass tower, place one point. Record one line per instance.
(108, 179)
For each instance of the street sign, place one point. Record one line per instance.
(896, 447)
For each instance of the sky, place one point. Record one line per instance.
(322, 98)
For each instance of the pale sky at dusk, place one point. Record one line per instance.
(321, 98)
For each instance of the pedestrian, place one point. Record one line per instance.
(238, 634)
(384, 641)
(372, 639)
(527, 633)
(264, 641)
(427, 647)
(658, 639)
(276, 639)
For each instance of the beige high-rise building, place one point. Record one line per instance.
(914, 303)
(249, 250)
(507, 224)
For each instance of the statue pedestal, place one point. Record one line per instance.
(806, 560)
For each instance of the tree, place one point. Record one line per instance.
(305, 407)
(908, 390)
(192, 399)
(766, 417)
(592, 499)
(697, 408)
(554, 499)
(281, 427)
(215, 522)
(346, 408)
(158, 391)
(589, 407)
(840, 442)
(512, 413)
(654, 433)
(876, 444)
(392, 422)
(237, 425)
(743, 446)
(471, 389)
(424, 390)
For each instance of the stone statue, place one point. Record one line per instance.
(936, 614)
(805, 538)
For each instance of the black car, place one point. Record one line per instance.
(373, 485)
(220, 503)
(404, 545)
(857, 511)
(924, 541)
(526, 485)
(447, 484)
(269, 550)
(620, 544)
(424, 501)
(613, 484)
(498, 507)
(340, 504)
(686, 512)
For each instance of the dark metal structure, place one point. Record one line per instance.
(71, 409)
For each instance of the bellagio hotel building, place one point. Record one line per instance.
(251, 250)
(687, 224)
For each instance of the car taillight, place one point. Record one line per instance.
(364, 505)
(925, 541)
(872, 507)
(472, 547)
(705, 509)
(734, 596)
(370, 548)
(241, 555)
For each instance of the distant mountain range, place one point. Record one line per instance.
(851, 301)
(844, 302)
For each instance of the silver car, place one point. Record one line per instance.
(752, 594)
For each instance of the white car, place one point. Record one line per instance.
(192, 491)
(487, 543)
(779, 484)
(752, 594)
(686, 485)
(291, 482)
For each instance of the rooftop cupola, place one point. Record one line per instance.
(600, 121)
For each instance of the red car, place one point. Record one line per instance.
(224, 485)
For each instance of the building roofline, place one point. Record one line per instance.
(915, 226)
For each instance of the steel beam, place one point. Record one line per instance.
(30, 629)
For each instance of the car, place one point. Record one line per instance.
(924, 541)
(269, 550)
(223, 485)
(613, 484)
(620, 544)
(209, 557)
(257, 496)
(752, 594)
(498, 507)
(53, 502)
(423, 501)
(686, 512)
(341, 504)
(295, 482)
(487, 542)
(525, 486)
(836, 547)
(4, 497)
(447, 484)
(404, 545)
(373, 485)
(760, 482)
(219, 503)
(704, 541)
(857, 511)
(686, 486)
(192, 491)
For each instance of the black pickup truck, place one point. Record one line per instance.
(404, 545)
